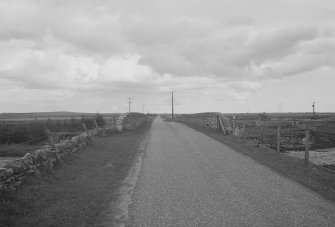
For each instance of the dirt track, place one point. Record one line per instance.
(189, 179)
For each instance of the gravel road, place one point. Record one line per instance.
(189, 179)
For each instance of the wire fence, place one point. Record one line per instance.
(292, 134)
(281, 135)
(27, 142)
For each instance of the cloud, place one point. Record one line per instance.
(109, 48)
(47, 69)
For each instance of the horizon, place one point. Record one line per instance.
(70, 112)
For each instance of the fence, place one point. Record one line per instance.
(278, 134)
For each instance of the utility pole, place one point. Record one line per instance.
(129, 102)
(172, 105)
(143, 108)
(280, 110)
(278, 138)
(313, 105)
(307, 135)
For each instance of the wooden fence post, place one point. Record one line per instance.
(114, 121)
(244, 132)
(260, 136)
(87, 132)
(221, 125)
(278, 139)
(307, 134)
(51, 140)
(95, 123)
(53, 145)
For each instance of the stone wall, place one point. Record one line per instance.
(46, 158)
(207, 120)
(133, 120)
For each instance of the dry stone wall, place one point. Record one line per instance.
(201, 119)
(46, 158)
(207, 120)
(133, 120)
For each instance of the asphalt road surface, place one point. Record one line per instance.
(189, 179)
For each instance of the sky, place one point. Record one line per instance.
(217, 55)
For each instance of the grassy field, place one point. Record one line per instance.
(316, 178)
(22, 133)
(75, 193)
(19, 150)
(48, 115)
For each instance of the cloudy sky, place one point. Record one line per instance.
(218, 55)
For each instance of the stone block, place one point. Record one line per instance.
(9, 172)
(29, 158)
(37, 173)
(14, 165)
(41, 155)
(31, 172)
(2, 172)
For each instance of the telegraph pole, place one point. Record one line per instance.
(172, 105)
(129, 102)
(313, 105)
(280, 110)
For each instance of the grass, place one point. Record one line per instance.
(77, 191)
(314, 177)
(17, 150)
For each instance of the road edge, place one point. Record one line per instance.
(118, 212)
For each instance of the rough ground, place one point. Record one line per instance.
(319, 157)
(189, 179)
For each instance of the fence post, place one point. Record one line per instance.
(114, 121)
(233, 126)
(244, 132)
(96, 127)
(95, 123)
(51, 140)
(307, 147)
(278, 139)
(53, 144)
(221, 125)
(87, 132)
(260, 136)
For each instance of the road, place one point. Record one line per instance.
(189, 179)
